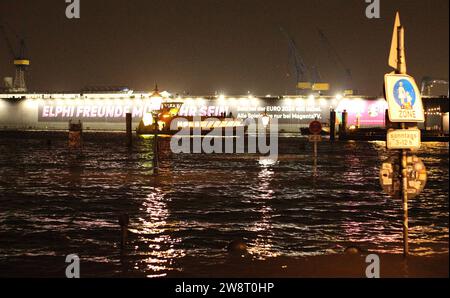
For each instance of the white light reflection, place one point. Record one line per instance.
(262, 246)
(155, 231)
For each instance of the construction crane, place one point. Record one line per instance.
(316, 76)
(302, 76)
(334, 56)
(20, 60)
(428, 83)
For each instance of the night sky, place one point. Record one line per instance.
(203, 46)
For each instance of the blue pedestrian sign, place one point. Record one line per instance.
(404, 99)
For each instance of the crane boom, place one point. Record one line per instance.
(7, 41)
(301, 70)
(336, 58)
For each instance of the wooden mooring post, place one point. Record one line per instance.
(343, 126)
(128, 128)
(75, 134)
(332, 125)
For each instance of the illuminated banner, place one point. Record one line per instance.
(290, 111)
(298, 111)
(98, 111)
(286, 111)
(368, 113)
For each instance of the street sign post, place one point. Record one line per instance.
(315, 128)
(403, 139)
(404, 106)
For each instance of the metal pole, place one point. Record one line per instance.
(401, 60)
(315, 150)
(404, 193)
(401, 69)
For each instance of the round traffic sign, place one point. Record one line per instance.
(416, 177)
(315, 127)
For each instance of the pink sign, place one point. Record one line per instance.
(363, 112)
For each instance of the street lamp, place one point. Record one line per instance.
(155, 104)
(156, 100)
(265, 119)
(147, 119)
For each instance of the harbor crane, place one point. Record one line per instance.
(334, 56)
(20, 60)
(307, 79)
(302, 75)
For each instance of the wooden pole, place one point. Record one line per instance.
(343, 127)
(315, 159)
(344, 121)
(75, 134)
(155, 145)
(332, 125)
(387, 122)
(124, 220)
(128, 126)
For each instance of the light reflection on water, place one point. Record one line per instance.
(262, 244)
(154, 235)
(55, 202)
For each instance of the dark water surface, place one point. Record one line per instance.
(54, 202)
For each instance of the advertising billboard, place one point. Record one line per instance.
(291, 112)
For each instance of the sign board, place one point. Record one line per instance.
(315, 127)
(416, 177)
(404, 98)
(315, 138)
(403, 139)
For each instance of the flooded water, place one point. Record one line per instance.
(55, 202)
